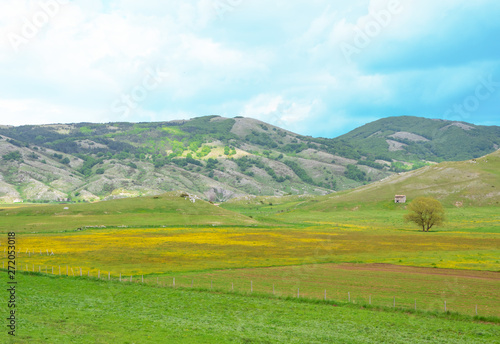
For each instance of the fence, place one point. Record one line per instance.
(224, 286)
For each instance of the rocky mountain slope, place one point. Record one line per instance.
(214, 157)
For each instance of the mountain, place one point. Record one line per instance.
(414, 138)
(218, 158)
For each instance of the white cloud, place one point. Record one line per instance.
(33, 111)
(261, 59)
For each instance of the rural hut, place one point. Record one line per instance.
(400, 199)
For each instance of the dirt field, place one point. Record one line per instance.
(488, 275)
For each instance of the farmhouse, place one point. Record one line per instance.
(400, 199)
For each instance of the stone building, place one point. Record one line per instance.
(400, 199)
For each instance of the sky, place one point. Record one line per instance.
(316, 67)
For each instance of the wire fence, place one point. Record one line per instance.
(248, 287)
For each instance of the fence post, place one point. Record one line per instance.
(476, 310)
(120, 276)
(445, 306)
(109, 275)
(370, 300)
(99, 274)
(298, 292)
(394, 302)
(80, 272)
(349, 296)
(173, 283)
(325, 294)
(142, 276)
(273, 288)
(130, 278)
(67, 271)
(52, 270)
(251, 286)
(191, 283)
(415, 304)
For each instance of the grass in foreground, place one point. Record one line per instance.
(363, 283)
(65, 310)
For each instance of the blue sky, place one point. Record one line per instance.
(316, 67)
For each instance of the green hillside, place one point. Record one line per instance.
(470, 190)
(407, 138)
(473, 182)
(171, 209)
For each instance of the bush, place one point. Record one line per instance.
(354, 173)
(13, 156)
(211, 163)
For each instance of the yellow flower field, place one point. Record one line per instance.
(163, 250)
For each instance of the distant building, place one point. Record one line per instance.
(400, 199)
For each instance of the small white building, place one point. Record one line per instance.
(400, 199)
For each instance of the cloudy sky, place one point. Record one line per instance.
(317, 67)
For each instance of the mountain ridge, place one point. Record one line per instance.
(215, 157)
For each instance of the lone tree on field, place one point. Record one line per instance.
(426, 212)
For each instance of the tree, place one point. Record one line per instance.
(426, 212)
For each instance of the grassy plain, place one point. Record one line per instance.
(302, 255)
(79, 310)
(304, 243)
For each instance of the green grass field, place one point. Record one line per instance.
(79, 310)
(379, 284)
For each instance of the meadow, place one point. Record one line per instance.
(82, 310)
(262, 252)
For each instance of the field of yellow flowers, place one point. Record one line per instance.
(143, 251)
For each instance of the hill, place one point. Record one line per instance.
(474, 182)
(170, 209)
(217, 158)
(413, 138)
